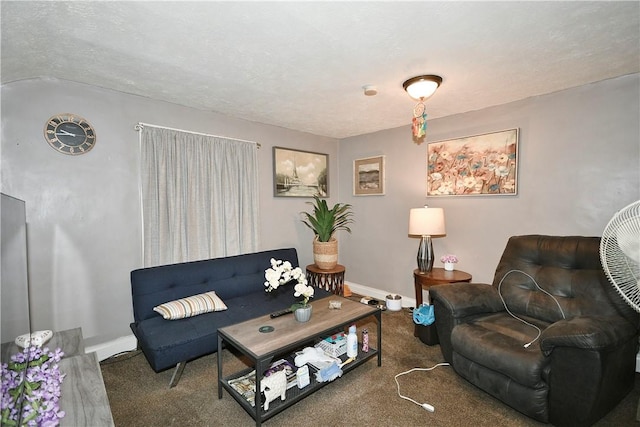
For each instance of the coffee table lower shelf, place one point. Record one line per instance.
(285, 337)
(294, 394)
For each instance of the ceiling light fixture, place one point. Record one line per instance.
(421, 88)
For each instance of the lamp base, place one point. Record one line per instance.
(425, 254)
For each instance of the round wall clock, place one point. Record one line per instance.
(69, 134)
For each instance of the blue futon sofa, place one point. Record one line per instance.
(237, 280)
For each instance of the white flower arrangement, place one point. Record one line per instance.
(304, 291)
(449, 258)
(282, 272)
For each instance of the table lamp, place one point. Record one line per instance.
(426, 222)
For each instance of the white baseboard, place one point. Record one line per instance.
(378, 294)
(107, 349)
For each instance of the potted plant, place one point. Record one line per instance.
(449, 261)
(324, 222)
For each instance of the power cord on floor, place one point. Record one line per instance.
(425, 406)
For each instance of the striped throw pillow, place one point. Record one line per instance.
(191, 306)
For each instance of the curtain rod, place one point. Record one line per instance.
(138, 127)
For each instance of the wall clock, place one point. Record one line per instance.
(69, 134)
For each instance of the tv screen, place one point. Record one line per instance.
(14, 285)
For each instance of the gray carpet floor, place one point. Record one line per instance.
(367, 395)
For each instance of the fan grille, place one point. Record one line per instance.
(620, 253)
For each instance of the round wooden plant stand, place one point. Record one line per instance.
(330, 280)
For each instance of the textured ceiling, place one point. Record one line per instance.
(302, 65)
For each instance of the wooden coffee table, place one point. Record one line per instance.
(287, 336)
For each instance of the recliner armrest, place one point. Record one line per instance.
(458, 303)
(587, 332)
(467, 299)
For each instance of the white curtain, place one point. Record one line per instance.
(199, 196)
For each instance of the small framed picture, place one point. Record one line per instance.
(368, 176)
(299, 173)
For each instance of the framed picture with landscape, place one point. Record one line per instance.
(480, 165)
(368, 176)
(298, 173)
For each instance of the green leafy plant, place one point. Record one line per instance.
(324, 222)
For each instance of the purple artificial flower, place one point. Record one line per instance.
(35, 387)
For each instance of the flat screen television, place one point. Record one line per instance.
(14, 283)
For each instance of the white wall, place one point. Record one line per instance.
(83, 212)
(579, 162)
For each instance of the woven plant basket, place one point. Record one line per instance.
(325, 254)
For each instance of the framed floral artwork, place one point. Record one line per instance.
(368, 176)
(480, 165)
(298, 173)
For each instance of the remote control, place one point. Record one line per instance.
(281, 313)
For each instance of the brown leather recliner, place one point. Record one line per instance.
(577, 365)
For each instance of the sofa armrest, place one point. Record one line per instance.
(587, 332)
(467, 299)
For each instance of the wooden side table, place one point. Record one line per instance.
(84, 397)
(437, 276)
(330, 280)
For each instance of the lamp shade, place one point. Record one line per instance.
(426, 222)
(422, 87)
